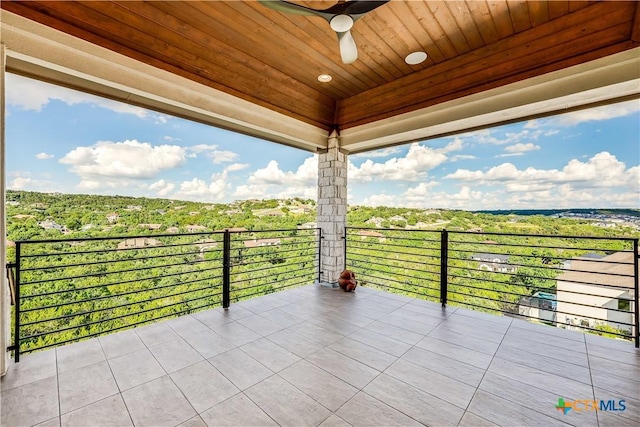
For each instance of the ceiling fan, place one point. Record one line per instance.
(340, 17)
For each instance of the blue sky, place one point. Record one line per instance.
(71, 142)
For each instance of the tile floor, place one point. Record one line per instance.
(315, 356)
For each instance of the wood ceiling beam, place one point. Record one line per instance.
(594, 31)
(279, 92)
(635, 34)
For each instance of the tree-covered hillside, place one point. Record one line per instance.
(32, 215)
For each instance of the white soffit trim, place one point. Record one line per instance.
(605, 80)
(44, 53)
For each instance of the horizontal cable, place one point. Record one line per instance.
(551, 236)
(139, 279)
(113, 318)
(368, 260)
(553, 311)
(105, 273)
(83, 313)
(136, 291)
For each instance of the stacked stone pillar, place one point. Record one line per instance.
(332, 209)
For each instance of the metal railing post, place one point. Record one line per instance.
(444, 260)
(345, 248)
(320, 255)
(16, 307)
(226, 270)
(636, 294)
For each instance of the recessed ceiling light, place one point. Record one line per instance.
(324, 78)
(415, 58)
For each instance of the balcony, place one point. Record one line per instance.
(314, 355)
(318, 356)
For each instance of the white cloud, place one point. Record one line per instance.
(422, 196)
(236, 167)
(381, 200)
(462, 157)
(273, 182)
(601, 170)
(250, 191)
(162, 187)
(29, 94)
(128, 159)
(521, 148)
(489, 136)
(307, 174)
(199, 190)
(24, 181)
(414, 166)
(455, 145)
(211, 151)
(44, 156)
(21, 183)
(604, 112)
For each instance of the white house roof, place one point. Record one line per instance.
(613, 270)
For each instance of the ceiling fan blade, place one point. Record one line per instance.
(287, 7)
(348, 48)
(355, 8)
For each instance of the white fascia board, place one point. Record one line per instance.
(604, 80)
(41, 52)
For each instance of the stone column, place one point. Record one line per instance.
(332, 209)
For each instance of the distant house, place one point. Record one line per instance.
(475, 230)
(151, 226)
(49, 224)
(133, 208)
(112, 217)
(597, 292)
(195, 228)
(540, 306)
(23, 216)
(591, 255)
(139, 242)
(300, 209)
(173, 230)
(498, 263)
(308, 225)
(255, 243)
(364, 234)
(205, 245)
(375, 221)
(194, 213)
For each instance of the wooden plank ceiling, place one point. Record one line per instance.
(273, 59)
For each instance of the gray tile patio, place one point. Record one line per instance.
(315, 356)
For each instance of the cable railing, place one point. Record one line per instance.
(581, 283)
(66, 290)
